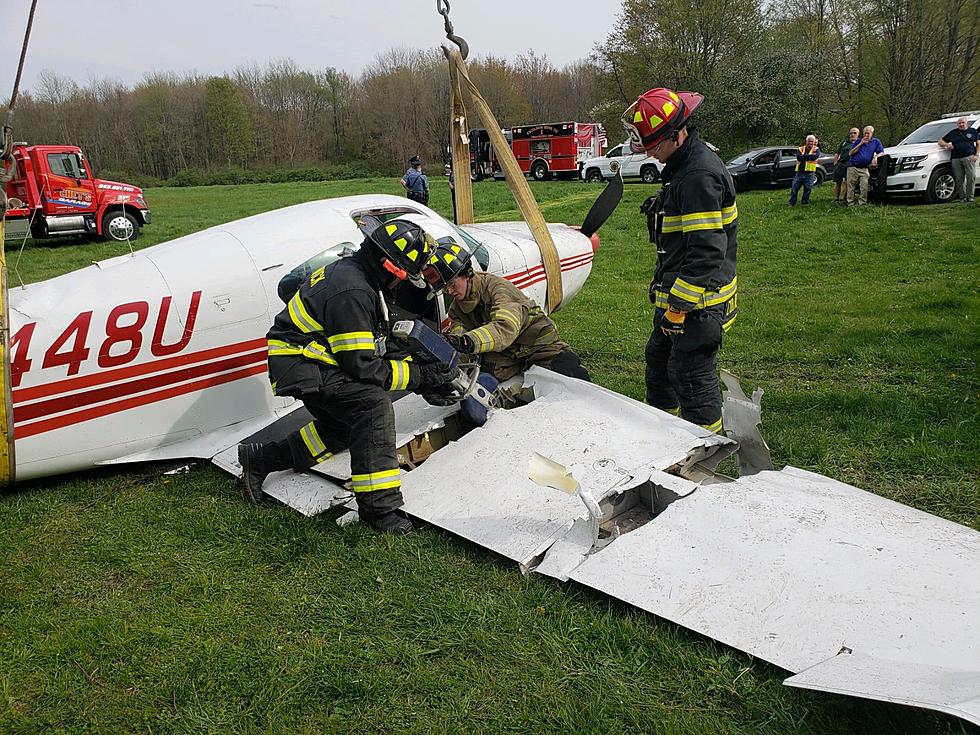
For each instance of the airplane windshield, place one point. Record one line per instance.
(438, 227)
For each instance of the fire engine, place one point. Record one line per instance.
(54, 192)
(556, 149)
(542, 150)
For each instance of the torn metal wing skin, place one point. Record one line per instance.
(851, 592)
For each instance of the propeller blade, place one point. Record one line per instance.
(604, 206)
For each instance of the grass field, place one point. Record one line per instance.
(134, 602)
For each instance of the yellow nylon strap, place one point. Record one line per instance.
(7, 461)
(518, 186)
(459, 148)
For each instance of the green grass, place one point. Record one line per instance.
(134, 602)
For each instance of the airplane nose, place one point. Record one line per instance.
(595, 242)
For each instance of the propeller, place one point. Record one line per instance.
(603, 206)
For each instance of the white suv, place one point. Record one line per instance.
(919, 166)
(620, 158)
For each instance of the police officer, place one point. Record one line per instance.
(693, 222)
(491, 317)
(327, 348)
(415, 182)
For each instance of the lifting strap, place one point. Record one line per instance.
(7, 458)
(459, 146)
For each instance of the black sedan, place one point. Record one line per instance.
(768, 168)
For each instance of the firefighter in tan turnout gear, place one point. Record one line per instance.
(693, 222)
(327, 348)
(492, 318)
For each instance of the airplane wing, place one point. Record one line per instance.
(850, 591)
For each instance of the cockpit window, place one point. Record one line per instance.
(436, 226)
(289, 284)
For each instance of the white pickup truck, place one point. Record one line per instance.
(620, 158)
(918, 166)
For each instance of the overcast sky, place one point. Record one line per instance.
(125, 39)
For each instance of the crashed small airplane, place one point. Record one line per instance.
(161, 355)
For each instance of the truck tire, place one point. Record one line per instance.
(119, 226)
(649, 174)
(820, 178)
(941, 185)
(594, 176)
(539, 171)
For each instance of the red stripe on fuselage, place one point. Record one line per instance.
(77, 400)
(108, 376)
(59, 422)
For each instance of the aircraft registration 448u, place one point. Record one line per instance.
(162, 355)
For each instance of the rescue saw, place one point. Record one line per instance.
(474, 390)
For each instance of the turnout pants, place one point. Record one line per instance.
(682, 371)
(354, 416)
(567, 362)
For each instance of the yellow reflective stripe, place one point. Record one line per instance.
(483, 339)
(351, 341)
(400, 374)
(278, 347)
(672, 223)
(316, 351)
(301, 317)
(729, 214)
(702, 221)
(661, 299)
(713, 298)
(673, 411)
(372, 481)
(714, 427)
(686, 291)
(508, 315)
(313, 442)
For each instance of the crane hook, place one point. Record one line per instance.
(442, 7)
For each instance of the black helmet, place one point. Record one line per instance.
(448, 262)
(402, 242)
(414, 161)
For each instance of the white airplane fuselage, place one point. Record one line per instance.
(166, 347)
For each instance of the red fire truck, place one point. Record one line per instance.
(54, 192)
(556, 149)
(543, 151)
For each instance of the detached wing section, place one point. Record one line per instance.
(852, 592)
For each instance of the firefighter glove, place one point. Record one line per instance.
(435, 399)
(435, 375)
(672, 322)
(462, 343)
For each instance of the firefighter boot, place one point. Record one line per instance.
(394, 522)
(256, 464)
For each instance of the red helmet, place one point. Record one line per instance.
(656, 114)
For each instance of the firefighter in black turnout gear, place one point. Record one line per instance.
(327, 348)
(693, 222)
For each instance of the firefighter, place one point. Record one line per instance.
(327, 348)
(492, 318)
(693, 223)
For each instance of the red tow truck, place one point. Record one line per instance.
(54, 192)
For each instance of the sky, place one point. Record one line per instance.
(126, 39)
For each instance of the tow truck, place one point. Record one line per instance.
(54, 193)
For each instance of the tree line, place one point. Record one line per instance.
(771, 72)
